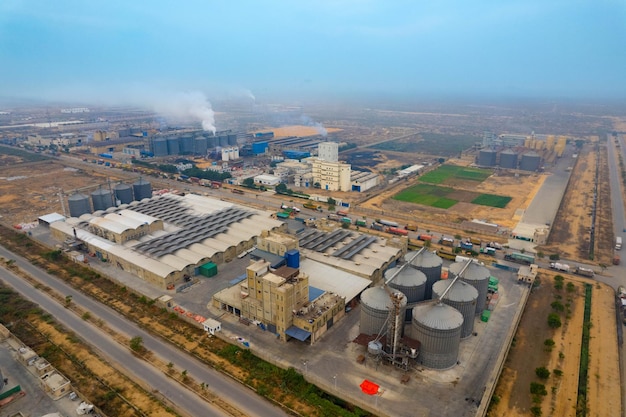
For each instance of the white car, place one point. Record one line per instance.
(296, 209)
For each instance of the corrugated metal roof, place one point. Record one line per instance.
(334, 280)
(376, 297)
(460, 291)
(426, 259)
(409, 277)
(438, 316)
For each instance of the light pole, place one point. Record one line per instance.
(305, 363)
(335, 381)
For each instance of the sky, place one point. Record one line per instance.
(116, 50)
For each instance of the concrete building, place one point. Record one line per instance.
(276, 243)
(362, 181)
(267, 179)
(331, 176)
(328, 151)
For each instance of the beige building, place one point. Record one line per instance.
(276, 243)
(331, 176)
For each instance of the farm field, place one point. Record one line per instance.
(445, 172)
(446, 197)
(492, 200)
(430, 143)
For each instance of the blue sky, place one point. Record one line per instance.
(74, 50)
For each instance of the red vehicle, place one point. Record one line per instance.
(342, 213)
(398, 231)
(424, 237)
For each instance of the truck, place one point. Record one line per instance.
(559, 266)
(411, 227)
(586, 272)
(361, 223)
(310, 206)
(347, 220)
(283, 215)
(446, 241)
(520, 258)
(377, 226)
(465, 245)
(388, 223)
(446, 255)
(618, 243)
(333, 217)
(616, 259)
(398, 231)
(342, 213)
(494, 245)
(475, 241)
(425, 238)
(488, 251)
(236, 191)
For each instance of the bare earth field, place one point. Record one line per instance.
(302, 131)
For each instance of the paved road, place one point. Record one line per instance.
(228, 389)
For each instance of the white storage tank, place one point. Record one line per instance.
(430, 264)
(461, 296)
(437, 327)
(477, 276)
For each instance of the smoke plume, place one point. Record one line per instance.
(307, 121)
(187, 107)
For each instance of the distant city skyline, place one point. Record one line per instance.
(119, 52)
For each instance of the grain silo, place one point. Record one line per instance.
(232, 140)
(142, 189)
(101, 199)
(123, 193)
(223, 141)
(186, 144)
(173, 146)
(430, 264)
(487, 158)
(158, 146)
(530, 162)
(79, 205)
(212, 142)
(437, 327)
(411, 283)
(461, 296)
(375, 304)
(508, 159)
(476, 275)
(199, 145)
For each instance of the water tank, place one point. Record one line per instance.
(199, 145)
(508, 159)
(487, 158)
(293, 258)
(212, 142)
(123, 193)
(79, 205)
(530, 162)
(411, 283)
(430, 264)
(142, 189)
(437, 327)
(173, 146)
(374, 311)
(159, 146)
(101, 199)
(461, 296)
(186, 144)
(477, 276)
(223, 141)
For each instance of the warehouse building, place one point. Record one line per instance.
(166, 240)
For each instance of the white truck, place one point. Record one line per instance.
(559, 266)
(618, 243)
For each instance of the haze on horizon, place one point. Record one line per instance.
(113, 51)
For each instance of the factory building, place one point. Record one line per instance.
(331, 176)
(328, 151)
(361, 181)
(167, 239)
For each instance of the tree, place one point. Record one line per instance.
(331, 203)
(542, 372)
(136, 344)
(68, 300)
(248, 182)
(281, 188)
(554, 321)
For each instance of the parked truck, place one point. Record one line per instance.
(425, 238)
(475, 241)
(618, 243)
(411, 227)
(466, 245)
(398, 231)
(559, 266)
(586, 272)
(446, 241)
(520, 258)
(377, 226)
(311, 206)
(388, 223)
(616, 259)
(361, 223)
(446, 255)
(488, 251)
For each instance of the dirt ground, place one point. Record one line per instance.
(529, 352)
(298, 130)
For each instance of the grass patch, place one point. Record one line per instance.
(427, 195)
(445, 172)
(492, 200)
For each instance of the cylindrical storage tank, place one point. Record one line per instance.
(430, 264)
(411, 283)
(530, 162)
(487, 158)
(293, 258)
(477, 276)
(123, 193)
(508, 159)
(79, 205)
(186, 144)
(223, 141)
(199, 145)
(159, 146)
(232, 140)
(374, 347)
(437, 327)
(173, 146)
(461, 296)
(142, 189)
(374, 311)
(212, 142)
(101, 199)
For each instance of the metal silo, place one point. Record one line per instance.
(173, 146)
(461, 296)
(186, 144)
(123, 193)
(487, 158)
(142, 189)
(232, 140)
(158, 146)
(411, 283)
(477, 276)
(430, 264)
(199, 145)
(437, 327)
(101, 199)
(374, 310)
(212, 142)
(79, 205)
(530, 161)
(223, 141)
(508, 159)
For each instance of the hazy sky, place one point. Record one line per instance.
(63, 49)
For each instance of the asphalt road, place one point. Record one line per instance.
(229, 390)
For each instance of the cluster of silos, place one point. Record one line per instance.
(123, 193)
(461, 296)
(102, 198)
(411, 282)
(158, 146)
(530, 161)
(142, 189)
(487, 158)
(508, 159)
(475, 275)
(173, 145)
(200, 145)
(430, 265)
(375, 307)
(438, 328)
(185, 144)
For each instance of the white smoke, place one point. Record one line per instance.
(307, 121)
(187, 107)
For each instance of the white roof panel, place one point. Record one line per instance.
(330, 279)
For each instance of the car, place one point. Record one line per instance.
(284, 206)
(296, 209)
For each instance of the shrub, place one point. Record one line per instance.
(557, 306)
(554, 321)
(542, 372)
(538, 389)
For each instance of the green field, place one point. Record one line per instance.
(430, 143)
(427, 195)
(445, 172)
(491, 200)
